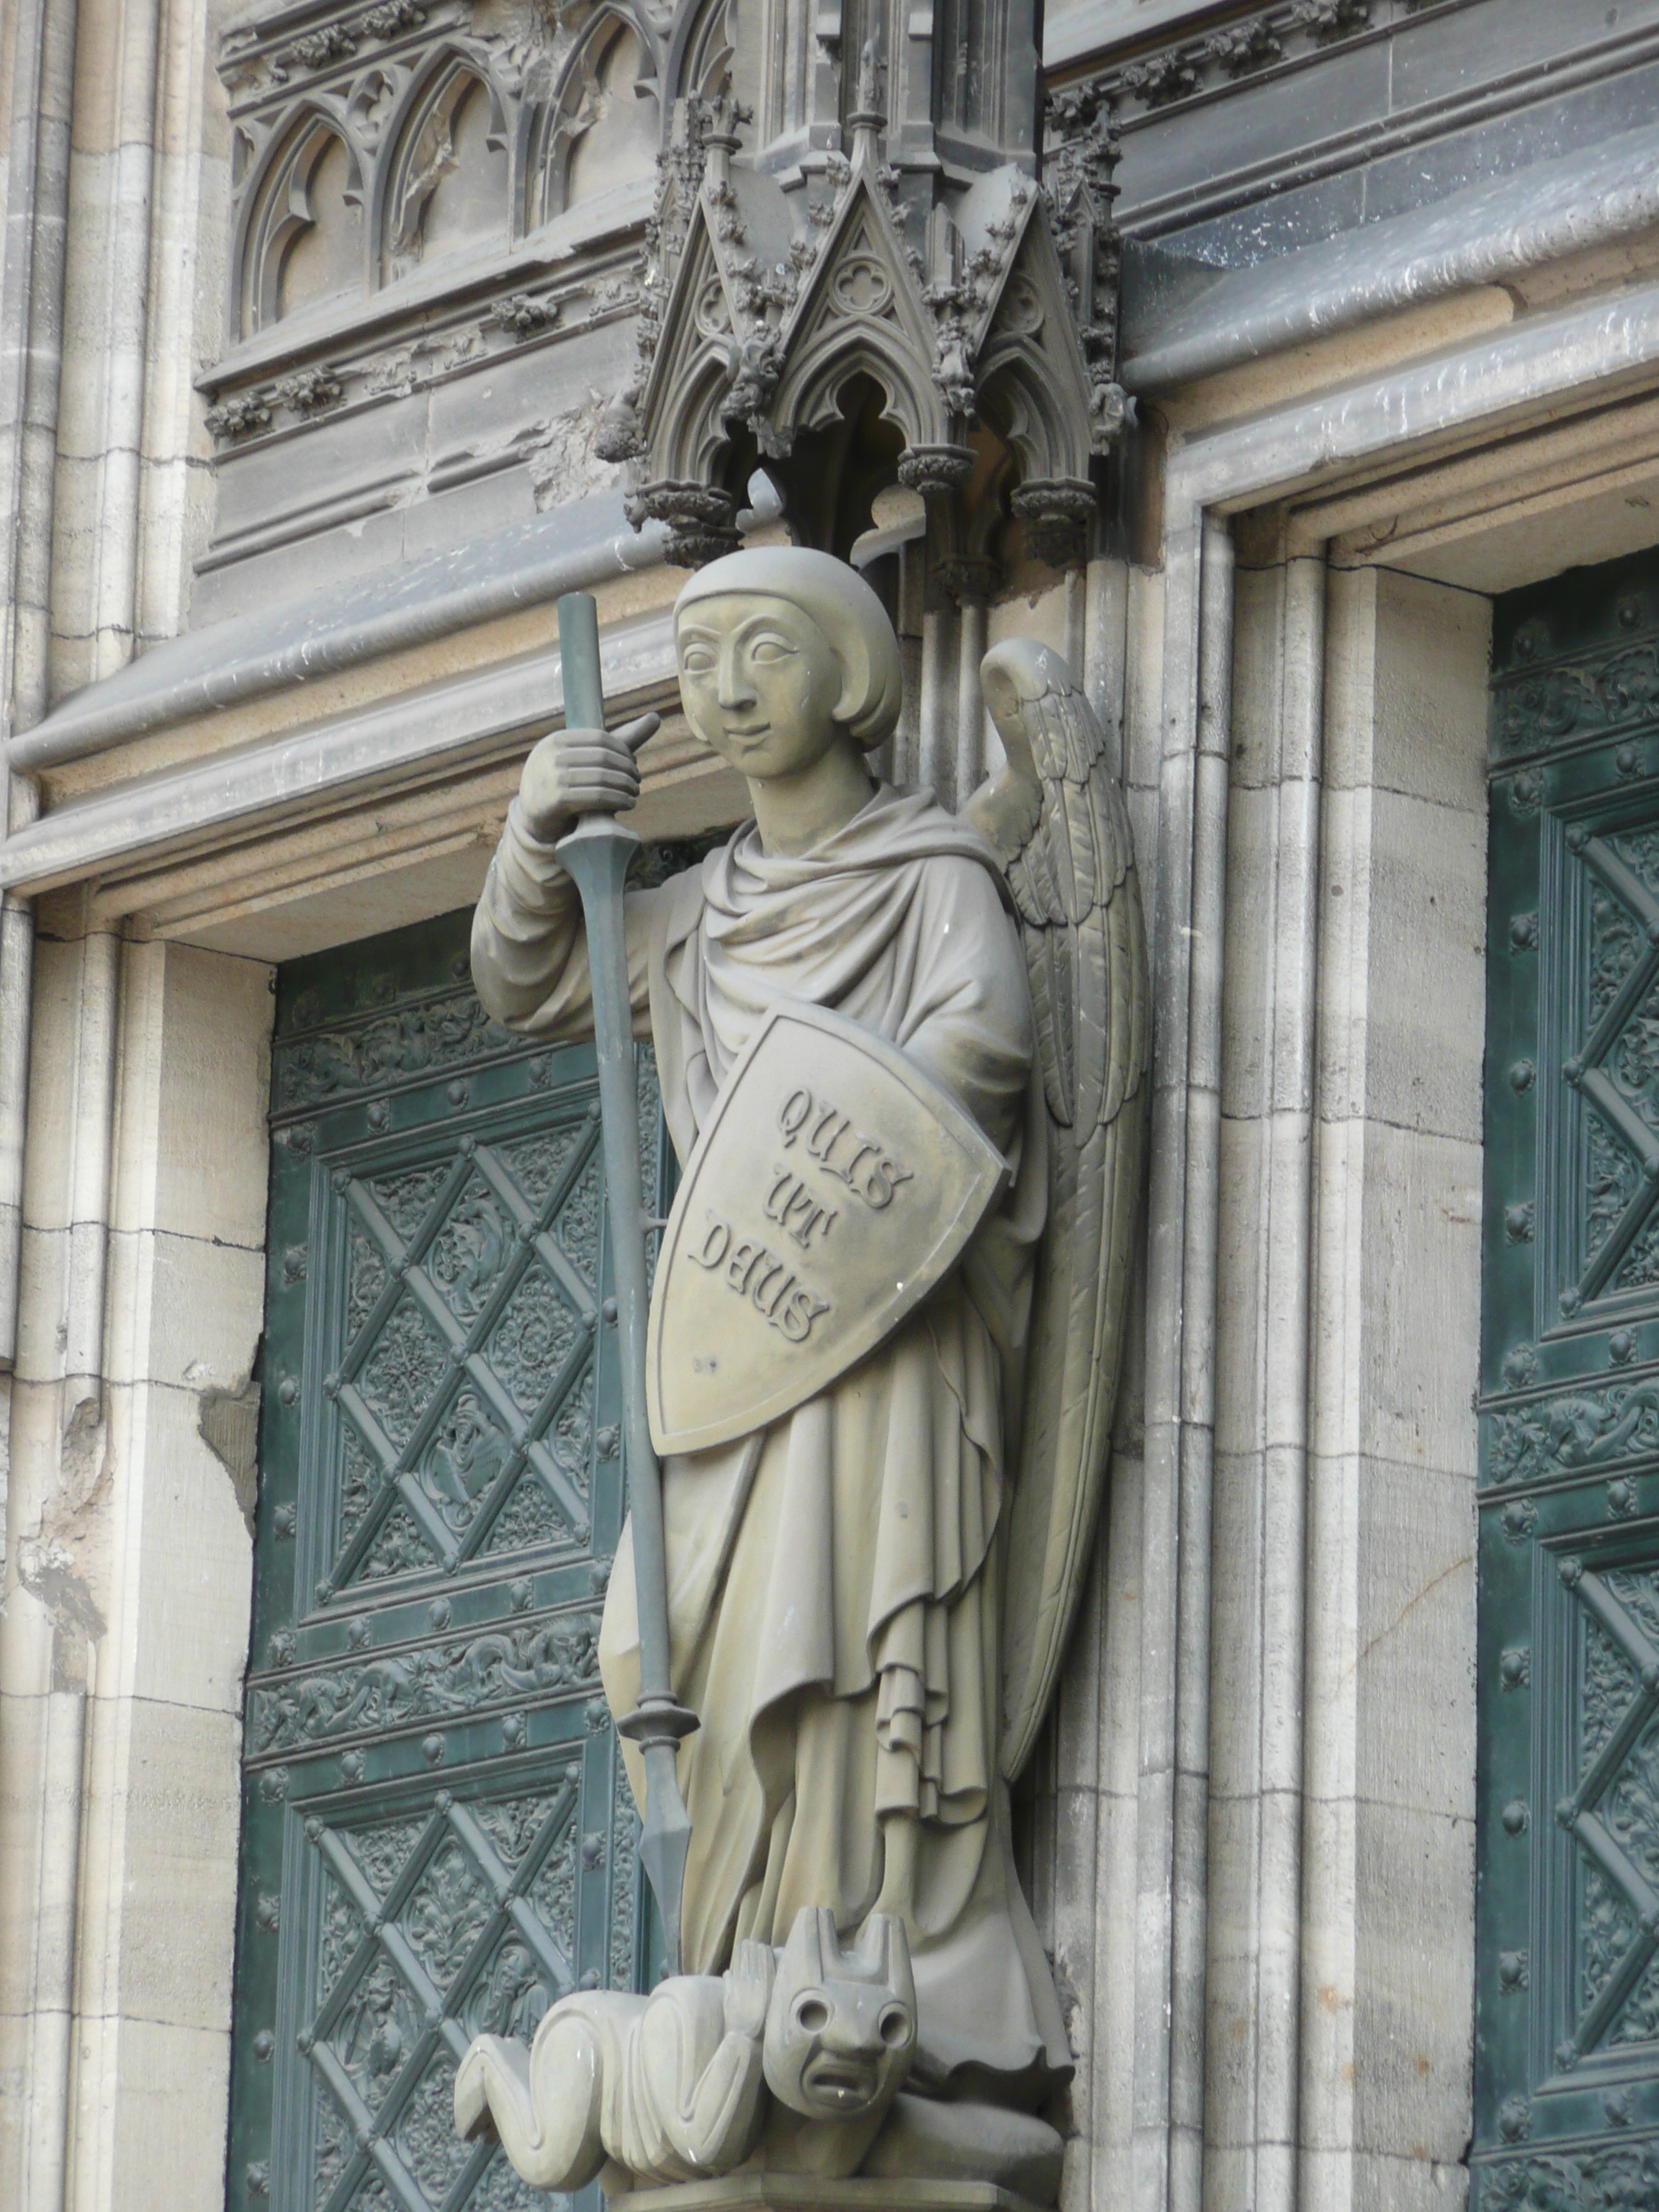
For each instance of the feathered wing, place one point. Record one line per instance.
(1056, 817)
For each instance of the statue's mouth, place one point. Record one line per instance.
(843, 2084)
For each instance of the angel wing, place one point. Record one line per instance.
(1056, 816)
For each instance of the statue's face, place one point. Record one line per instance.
(760, 682)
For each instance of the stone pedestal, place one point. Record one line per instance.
(810, 2192)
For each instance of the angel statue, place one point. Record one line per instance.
(931, 1032)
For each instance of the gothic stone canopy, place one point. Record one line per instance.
(917, 272)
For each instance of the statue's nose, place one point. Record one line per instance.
(846, 2033)
(735, 688)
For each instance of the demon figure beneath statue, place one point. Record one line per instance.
(878, 1507)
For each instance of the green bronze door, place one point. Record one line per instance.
(437, 1839)
(1567, 2028)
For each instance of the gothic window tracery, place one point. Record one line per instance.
(304, 241)
(704, 54)
(448, 182)
(619, 143)
(603, 125)
(396, 170)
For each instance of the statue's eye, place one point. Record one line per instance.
(766, 649)
(894, 2027)
(812, 2014)
(696, 661)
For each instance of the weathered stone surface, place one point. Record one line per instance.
(790, 670)
(801, 2192)
(166, 1877)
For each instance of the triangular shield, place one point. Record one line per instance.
(832, 1188)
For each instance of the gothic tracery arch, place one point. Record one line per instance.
(302, 237)
(447, 181)
(602, 126)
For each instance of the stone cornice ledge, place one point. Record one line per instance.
(391, 609)
(1464, 393)
(394, 743)
(1575, 349)
(1479, 236)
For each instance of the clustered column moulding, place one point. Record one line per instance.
(44, 605)
(32, 315)
(31, 367)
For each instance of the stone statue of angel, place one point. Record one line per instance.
(869, 1594)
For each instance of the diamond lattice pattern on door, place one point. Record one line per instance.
(466, 1386)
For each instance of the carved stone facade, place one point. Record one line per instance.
(434, 208)
(1251, 354)
(424, 195)
(1243, 45)
(371, 147)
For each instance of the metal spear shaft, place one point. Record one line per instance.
(596, 854)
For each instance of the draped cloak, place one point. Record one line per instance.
(835, 1579)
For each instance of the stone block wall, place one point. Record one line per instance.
(124, 1636)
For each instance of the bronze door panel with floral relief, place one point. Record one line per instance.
(437, 1837)
(1567, 2003)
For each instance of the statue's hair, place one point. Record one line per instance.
(844, 608)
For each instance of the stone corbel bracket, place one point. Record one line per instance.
(997, 307)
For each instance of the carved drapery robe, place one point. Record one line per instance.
(835, 1580)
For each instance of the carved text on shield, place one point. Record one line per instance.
(871, 1182)
(860, 1164)
(792, 1205)
(864, 1164)
(752, 1272)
